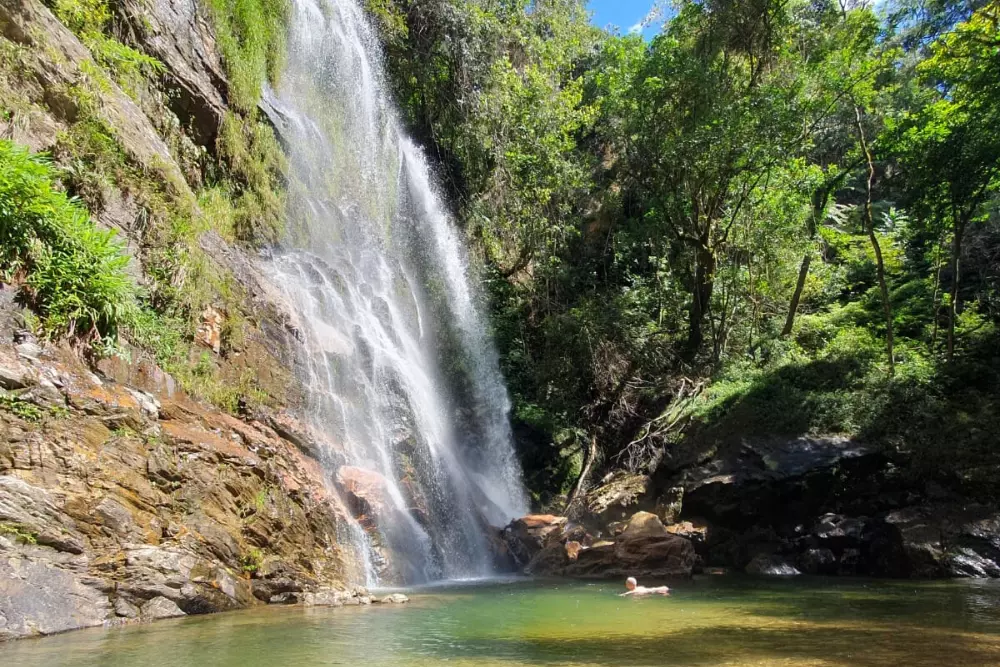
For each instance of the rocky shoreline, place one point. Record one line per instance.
(823, 506)
(119, 503)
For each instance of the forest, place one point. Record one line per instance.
(775, 217)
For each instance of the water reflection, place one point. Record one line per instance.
(711, 621)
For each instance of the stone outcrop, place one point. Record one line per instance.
(550, 545)
(119, 505)
(829, 506)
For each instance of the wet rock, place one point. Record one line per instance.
(967, 562)
(296, 432)
(818, 561)
(366, 493)
(160, 607)
(394, 598)
(527, 536)
(770, 565)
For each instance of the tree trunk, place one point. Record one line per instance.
(588, 461)
(799, 285)
(956, 253)
(870, 227)
(701, 295)
(819, 198)
(936, 298)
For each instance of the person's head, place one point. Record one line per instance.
(631, 583)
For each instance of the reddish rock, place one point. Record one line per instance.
(644, 548)
(366, 493)
(695, 533)
(209, 332)
(527, 536)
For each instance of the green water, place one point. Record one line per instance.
(708, 621)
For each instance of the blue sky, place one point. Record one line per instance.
(626, 14)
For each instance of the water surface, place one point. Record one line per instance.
(708, 621)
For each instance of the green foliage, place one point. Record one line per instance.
(91, 20)
(18, 406)
(251, 37)
(251, 561)
(70, 272)
(646, 212)
(256, 167)
(18, 533)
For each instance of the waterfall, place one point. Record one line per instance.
(402, 380)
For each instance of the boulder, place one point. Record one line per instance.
(394, 598)
(160, 607)
(527, 536)
(771, 565)
(43, 592)
(644, 524)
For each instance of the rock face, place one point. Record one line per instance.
(117, 505)
(550, 545)
(828, 506)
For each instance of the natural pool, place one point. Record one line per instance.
(708, 621)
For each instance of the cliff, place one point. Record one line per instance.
(128, 487)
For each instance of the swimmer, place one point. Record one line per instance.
(634, 589)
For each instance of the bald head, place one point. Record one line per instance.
(631, 583)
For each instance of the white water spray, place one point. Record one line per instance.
(402, 378)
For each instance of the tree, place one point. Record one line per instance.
(715, 113)
(950, 148)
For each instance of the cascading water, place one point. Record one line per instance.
(402, 379)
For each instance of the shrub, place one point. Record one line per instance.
(69, 271)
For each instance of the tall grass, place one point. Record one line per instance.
(251, 36)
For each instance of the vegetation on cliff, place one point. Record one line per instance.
(71, 272)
